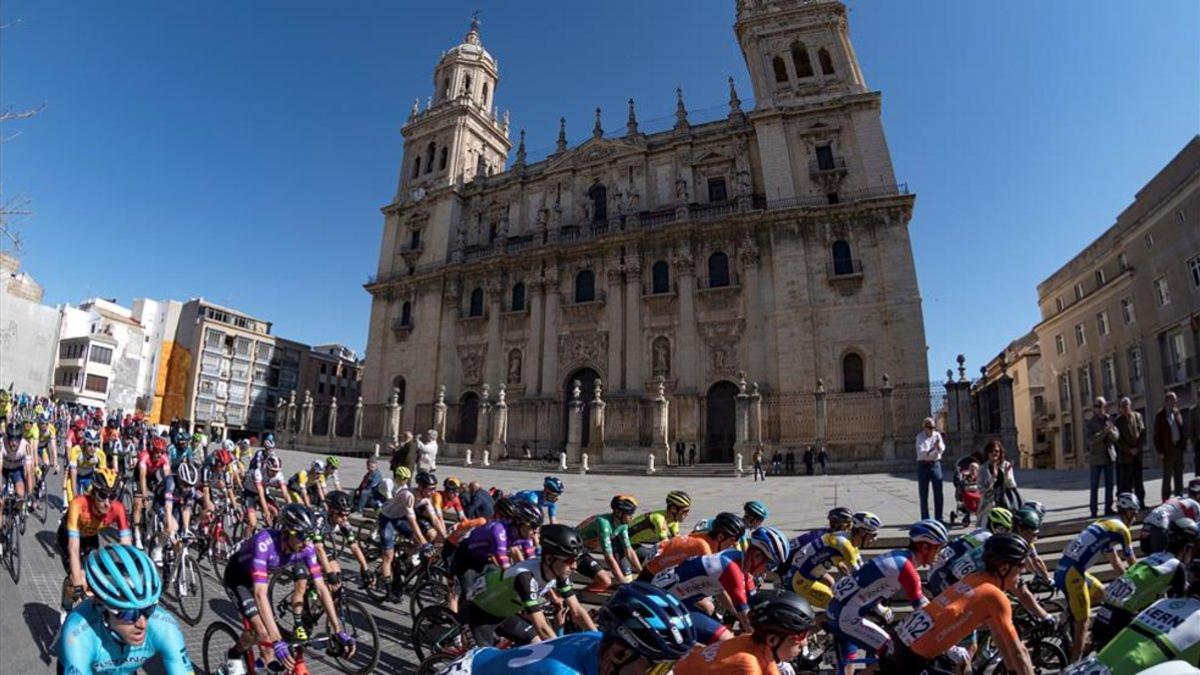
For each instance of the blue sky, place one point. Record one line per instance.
(241, 150)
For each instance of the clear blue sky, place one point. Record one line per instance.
(241, 150)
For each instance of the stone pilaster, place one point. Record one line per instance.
(596, 420)
(550, 334)
(635, 372)
(820, 412)
(499, 443)
(532, 375)
(612, 314)
(574, 424)
(688, 346)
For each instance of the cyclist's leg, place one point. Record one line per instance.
(708, 629)
(1079, 604)
(817, 593)
(387, 548)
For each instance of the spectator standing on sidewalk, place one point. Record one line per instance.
(679, 459)
(823, 460)
(1170, 442)
(1131, 438)
(789, 461)
(759, 472)
(809, 458)
(692, 455)
(930, 448)
(402, 454)
(997, 480)
(776, 463)
(1101, 434)
(427, 450)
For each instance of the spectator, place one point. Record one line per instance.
(679, 450)
(427, 449)
(997, 481)
(1192, 425)
(758, 465)
(790, 461)
(526, 451)
(692, 454)
(777, 463)
(823, 460)
(401, 453)
(1101, 435)
(1170, 442)
(1131, 437)
(930, 448)
(368, 487)
(477, 503)
(809, 458)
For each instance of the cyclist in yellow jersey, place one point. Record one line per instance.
(648, 529)
(47, 443)
(5, 407)
(82, 462)
(810, 570)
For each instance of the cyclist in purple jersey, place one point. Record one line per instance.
(840, 519)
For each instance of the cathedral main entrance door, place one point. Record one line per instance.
(719, 422)
(587, 384)
(468, 417)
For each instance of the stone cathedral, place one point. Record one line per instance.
(762, 253)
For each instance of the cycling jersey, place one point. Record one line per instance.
(520, 588)
(298, 483)
(45, 436)
(820, 556)
(152, 464)
(599, 531)
(256, 477)
(261, 555)
(677, 549)
(1143, 583)
(83, 464)
(403, 505)
(708, 575)
(855, 594)
(737, 656)
(1095, 539)
(651, 528)
(538, 498)
(16, 459)
(83, 521)
(87, 645)
(488, 541)
(1167, 630)
(948, 618)
(575, 654)
(959, 558)
(1175, 507)
(443, 505)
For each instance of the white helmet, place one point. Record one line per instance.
(273, 465)
(1127, 501)
(228, 444)
(317, 467)
(187, 474)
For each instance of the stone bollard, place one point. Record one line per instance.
(584, 468)
(376, 451)
(468, 461)
(562, 461)
(738, 471)
(487, 457)
(649, 463)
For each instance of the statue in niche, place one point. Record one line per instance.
(661, 352)
(514, 366)
(681, 189)
(743, 183)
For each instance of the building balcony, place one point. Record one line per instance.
(834, 165)
(844, 269)
(1181, 372)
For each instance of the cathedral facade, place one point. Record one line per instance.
(768, 246)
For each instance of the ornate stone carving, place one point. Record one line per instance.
(583, 349)
(514, 366)
(472, 327)
(471, 357)
(720, 299)
(722, 339)
(660, 352)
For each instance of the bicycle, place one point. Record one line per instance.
(181, 579)
(214, 542)
(220, 637)
(39, 501)
(10, 536)
(356, 621)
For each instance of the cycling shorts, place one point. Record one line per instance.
(239, 586)
(708, 629)
(816, 592)
(86, 546)
(485, 626)
(851, 628)
(1082, 590)
(16, 475)
(389, 527)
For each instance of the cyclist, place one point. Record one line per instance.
(864, 591)
(187, 493)
(338, 505)
(1168, 630)
(649, 529)
(722, 532)
(809, 571)
(840, 519)
(246, 583)
(1145, 582)
(386, 489)
(510, 602)
(17, 460)
(121, 627)
(400, 515)
(522, 525)
(1153, 537)
(47, 445)
(1027, 522)
(960, 557)
(79, 533)
(218, 475)
(323, 476)
(546, 498)
(640, 627)
(82, 463)
(258, 478)
(781, 621)
(447, 500)
(298, 484)
(729, 575)
(977, 600)
(1072, 577)
(607, 534)
(186, 448)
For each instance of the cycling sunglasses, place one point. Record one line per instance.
(104, 495)
(131, 615)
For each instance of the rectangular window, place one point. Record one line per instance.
(1108, 378)
(1058, 304)
(97, 384)
(1122, 261)
(1060, 345)
(1194, 268)
(1080, 335)
(825, 157)
(102, 355)
(320, 387)
(242, 346)
(1162, 292)
(1079, 291)
(1127, 311)
(322, 368)
(1102, 323)
(1085, 385)
(1135, 370)
(1068, 440)
(1100, 278)
(213, 338)
(1175, 357)
(1064, 394)
(716, 190)
(414, 241)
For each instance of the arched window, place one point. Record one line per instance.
(485, 94)
(467, 85)
(406, 314)
(585, 286)
(518, 298)
(660, 277)
(800, 61)
(843, 260)
(852, 373)
(780, 69)
(718, 270)
(443, 158)
(476, 308)
(429, 150)
(445, 92)
(826, 62)
(599, 196)
(416, 167)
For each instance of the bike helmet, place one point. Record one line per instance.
(1006, 548)
(1182, 531)
(452, 483)
(679, 498)
(269, 441)
(104, 482)
(772, 543)
(504, 508)
(781, 612)
(273, 465)
(929, 531)
(1193, 489)
(756, 509)
(244, 443)
(727, 524)
(187, 474)
(649, 621)
(1127, 501)
(553, 484)
(333, 462)
(298, 519)
(317, 467)
(197, 437)
(840, 517)
(122, 577)
(402, 474)
(426, 479)
(228, 445)
(91, 437)
(561, 541)
(526, 513)
(223, 457)
(624, 503)
(1000, 517)
(339, 501)
(1036, 506)
(1027, 518)
(43, 417)
(12, 432)
(865, 520)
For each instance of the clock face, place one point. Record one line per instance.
(417, 194)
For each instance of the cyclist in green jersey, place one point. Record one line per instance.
(1145, 582)
(1167, 630)
(608, 535)
(648, 529)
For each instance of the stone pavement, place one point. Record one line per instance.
(29, 614)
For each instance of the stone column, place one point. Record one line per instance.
(331, 432)
(819, 409)
(306, 416)
(688, 346)
(358, 417)
(755, 324)
(889, 420)
(596, 419)
(635, 373)
(532, 376)
(483, 419)
(439, 413)
(494, 360)
(550, 335)
(500, 425)
(616, 334)
(755, 414)
(742, 420)
(574, 423)
(660, 434)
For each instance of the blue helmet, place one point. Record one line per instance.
(122, 577)
(649, 621)
(772, 543)
(269, 441)
(553, 484)
(756, 508)
(930, 531)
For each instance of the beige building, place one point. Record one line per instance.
(1021, 360)
(1122, 318)
(772, 241)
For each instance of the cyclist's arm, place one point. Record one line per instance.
(1028, 601)
(1118, 561)
(52, 448)
(262, 598)
(582, 619)
(910, 583)
(169, 644)
(610, 559)
(733, 581)
(630, 554)
(410, 515)
(1012, 650)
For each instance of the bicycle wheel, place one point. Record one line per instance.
(428, 593)
(1047, 657)
(435, 630)
(219, 550)
(280, 590)
(42, 502)
(188, 588)
(219, 638)
(14, 548)
(360, 625)
(378, 591)
(436, 664)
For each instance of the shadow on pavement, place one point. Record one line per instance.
(43, 626)
(48, 540)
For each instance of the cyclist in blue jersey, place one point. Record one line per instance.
(121, 627)
(840, 520)
(546, 498)
(640, 628)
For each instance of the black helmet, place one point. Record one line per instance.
(561, 541)
(624, 503)
(299, 519)
(840, 516)
(1182, 531)
(526, 513)
(781, 612)
(727, 524)
(12, 432)
(1007, 548)
(1027, 518)
(339, 501)
(426, 479)
(504, 508)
